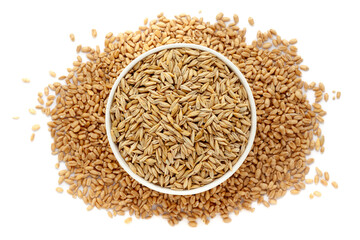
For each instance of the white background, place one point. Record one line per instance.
(35, 39)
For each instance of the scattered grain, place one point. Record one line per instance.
(59, 190)
(317, 194)
(25, 80)
(128, 220)
(15, 118)
(334, 184)
(338, 94)
(192, 224)
(52, 73)
(316, 179)
(35, 127)
(93, 33)
(72, 37)
(304, 67)
(318, 172)
(326, 176)
(324, 182)
(32, 137)
(311, 196)
(309, 181)
(251, 21)
(32, 111)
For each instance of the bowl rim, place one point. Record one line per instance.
(217, 181)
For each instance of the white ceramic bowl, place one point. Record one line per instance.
(216, 182)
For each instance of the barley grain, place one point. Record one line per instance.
(317, 194)
(35, 127)
(15, 118)
(32, 111)
(128, 220)
(338, 94)
(93, 33)
(32, 137)
(25, 80)
(59, 190)
(251, 21)
(52, 74)
(334, 184)
(326, 176)
(311, 196)
(309, 181)
(72, 37)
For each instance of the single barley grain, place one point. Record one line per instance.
(219, 16)
(192, 224)
(109, 214)
(293, 41)
(57, 165)
(52, 73)
(15, 118)
(25, 80)
(227, 220)
(294, 191)
(32, 111)
(311, 196)
(128, 220)
(316, 179)
(251, 21)
(334, 184)
(304, 67)
(93, 33)
(326, 176)
(324, 182)
(72, 37)
(317, 194)
(318, 172)
(338, 94)
(89, 208)
(59, 190)
(326, 97)
(35, 127)
(32, 137)
(236, 18)
(309, 181)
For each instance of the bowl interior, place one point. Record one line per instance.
(217, 181)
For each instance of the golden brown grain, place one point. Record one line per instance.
(57, 165)
(317, 194)
(219, 16)
(324, 182)
(192, 224)
(318, 172)
(338, 95)
(293, 41)
(128, 220)
(227, 220)
(25, 80)
(109, 214)
(32, 111)
(236, 18)
(72, 37)
(334, 184)
(304, 67)
(89, 208)
(294, 191)
(316, 179)
(326, 97)
(35, 127)
(309, 181)
(251, 21)
(93, 33)
(326, 176)
(311, 196)
(59, 190)
(32, 137)
(52, 73)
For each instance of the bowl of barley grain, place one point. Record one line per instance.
(181, 119)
